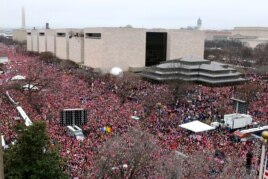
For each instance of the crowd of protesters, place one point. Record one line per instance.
(105, 109)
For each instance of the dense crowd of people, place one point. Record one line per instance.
(105, 108)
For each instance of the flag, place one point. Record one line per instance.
(108, 129)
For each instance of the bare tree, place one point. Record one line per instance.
(128, 156)
(247, 91)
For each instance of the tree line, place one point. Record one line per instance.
(236, 52)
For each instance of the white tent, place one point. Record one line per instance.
(3, 60)
(196, 126)
(18, 77)
(116, 71)
(30, 87)
(4, 145)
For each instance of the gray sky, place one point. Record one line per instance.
(215, 14)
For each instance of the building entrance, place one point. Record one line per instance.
(156, 48)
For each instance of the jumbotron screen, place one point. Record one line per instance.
(73, 117)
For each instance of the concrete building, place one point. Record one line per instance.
(261, 32)
(42, 41)
(29, 41)
(183, 43)
(76, 46)
(194, 69)
(62, 43)
(127, 48)
(51, 40)
(114, 47)
(63, 37)
(19, 35)
(132, 48)
(218, 34)
(35, 40)
(252, 36)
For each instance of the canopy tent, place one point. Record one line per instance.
(29, 87)
(3, 60)
(18, 77)
(4, 142)
(196, 126)
(116, 71)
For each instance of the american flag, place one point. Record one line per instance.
(265, 173)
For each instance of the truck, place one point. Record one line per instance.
(236, 121)
(75, 131)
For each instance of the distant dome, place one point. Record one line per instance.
(199, 23)
(129, 26)
(116, 71)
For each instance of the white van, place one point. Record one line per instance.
(3, 142)
(75, 131)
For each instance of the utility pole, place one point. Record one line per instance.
(1, 159)
(264, 141)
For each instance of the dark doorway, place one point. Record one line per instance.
(156, 48)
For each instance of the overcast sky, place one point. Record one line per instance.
(215, 14)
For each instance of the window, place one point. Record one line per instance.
(93, 35)
(28, 33)
(61, 34)
(41, 34)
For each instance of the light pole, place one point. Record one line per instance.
(264, 135)
(159, 106)
(1, 159)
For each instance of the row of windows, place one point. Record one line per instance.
(88, 35)
(40, 34)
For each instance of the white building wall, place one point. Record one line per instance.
(76, 47)
(29, 41)
(183, 43)
(19, 35)
(260, 32)
(62, 44)
(51, 40)
(42, 41)
(35, 43)
(117, 47)
(93, 49)
(124, 48)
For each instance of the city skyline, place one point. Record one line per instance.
(141, 14)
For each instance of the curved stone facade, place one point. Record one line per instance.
(194, 69)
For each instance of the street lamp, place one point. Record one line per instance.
(1, 159)
(159, 106)
(264, 135)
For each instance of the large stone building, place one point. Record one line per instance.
(218, 34)
(50, 35)
(76, 46)
(127, 48)
(42, 41)
(252, 36)
(19, 35)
